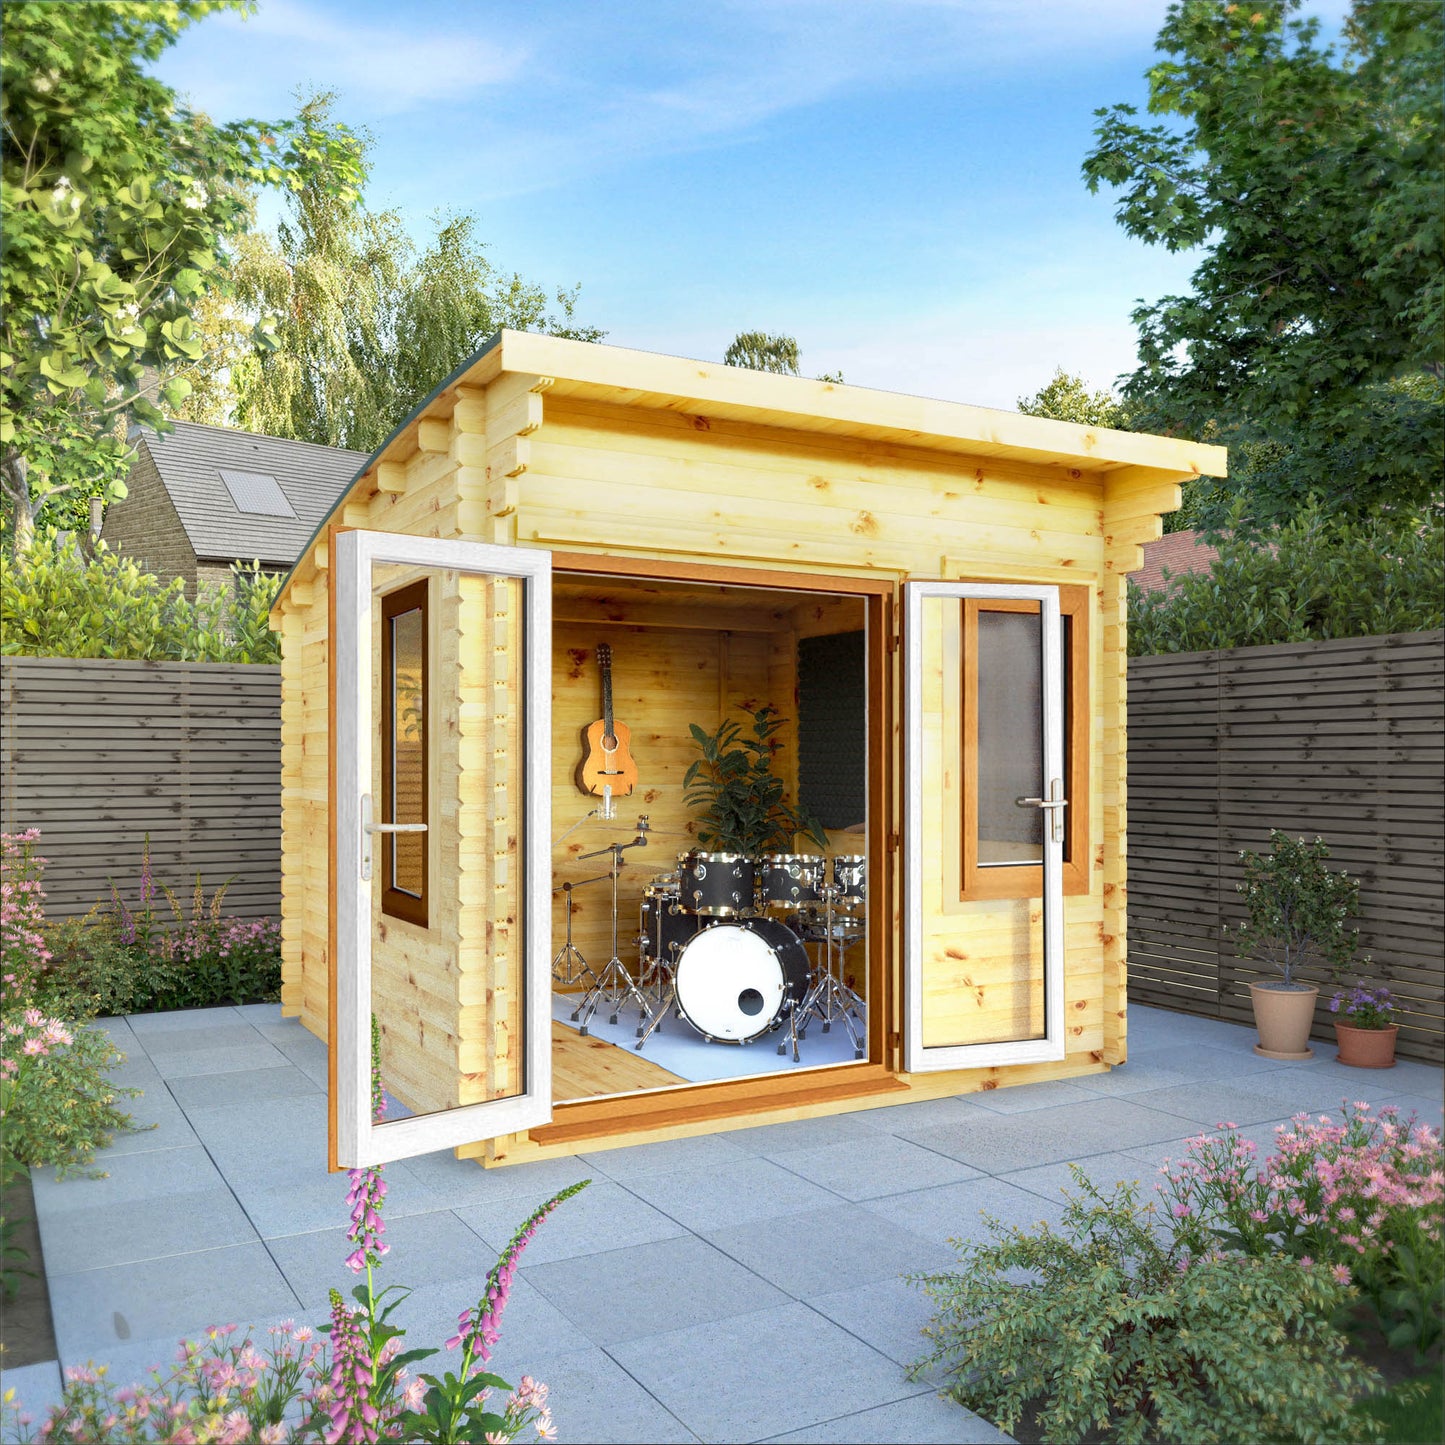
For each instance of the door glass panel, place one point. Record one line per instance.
(408, 731)
(983, 970)
(1010, 738)
(442, 724)
(447, 989)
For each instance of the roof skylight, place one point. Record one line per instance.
(257, 493)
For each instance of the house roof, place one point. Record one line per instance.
(1178, 553)
(191, 459)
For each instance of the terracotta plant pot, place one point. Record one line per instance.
(1367, 1048)
(1283, 1013)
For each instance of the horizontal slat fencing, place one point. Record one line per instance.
(1345, 740)
(98, 754)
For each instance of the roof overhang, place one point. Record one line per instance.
(624, 377)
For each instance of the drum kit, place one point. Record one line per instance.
(735, 947)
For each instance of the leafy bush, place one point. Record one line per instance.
(1296, 907)
(56, 601)
(1114, 1331)
(1312, 579)
(1366, 1196)
(57, 1105)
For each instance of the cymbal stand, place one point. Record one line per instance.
(569, 965)
(829, 995)
(614, 984)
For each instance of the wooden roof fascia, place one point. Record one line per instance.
(645, 378)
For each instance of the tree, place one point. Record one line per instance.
(1311, 182)
(118, 204)
(364, 326)
(760, 351)
(1068, 398)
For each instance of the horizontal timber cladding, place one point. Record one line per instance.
(99, 755)
(1344, 740)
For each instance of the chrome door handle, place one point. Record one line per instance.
(368, 828)
(1054, 805)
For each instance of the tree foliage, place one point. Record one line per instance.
(1067, 398)
(1314, 578)
(118, 205)
(56, 601)
(762, 351)
(1310, 180)
(366, 326)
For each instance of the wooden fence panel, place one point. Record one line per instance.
(98, 754)
(1342, 739)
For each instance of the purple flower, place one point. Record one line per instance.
(365, 1199)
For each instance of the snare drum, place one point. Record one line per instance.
(850, 878)
(716, 885)
(738, 981)
(792, 878)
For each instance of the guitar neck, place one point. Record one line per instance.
(605, 663)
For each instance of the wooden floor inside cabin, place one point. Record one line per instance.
(590, 1067)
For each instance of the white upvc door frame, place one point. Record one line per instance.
(916, 1057)
(359, 1141)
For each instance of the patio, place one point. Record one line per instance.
(740, 1286)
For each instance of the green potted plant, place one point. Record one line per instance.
(1365, 1027)
(744, 807)
(1296, 909)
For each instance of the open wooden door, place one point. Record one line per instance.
(440, 866)
(984, 812)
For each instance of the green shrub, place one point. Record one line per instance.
(1113, 1332)
(57, 601)
(1313, 579)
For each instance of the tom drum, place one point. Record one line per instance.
(716, 885)
(790, 879)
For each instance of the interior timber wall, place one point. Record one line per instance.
(663, 679)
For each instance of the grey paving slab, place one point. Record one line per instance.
(156, 1302)
(1105, 1170)
(1025, 1097)
(160, 1042)
(457, 1182)
(773, 1141)
(806, 1254)
(724, 1194)
(422, 1249)
(187, 1063)
(217, 1090)
(533, 1328)
(37, 1387)
(148, 1027)
(1168, 1069)
(137, 1072)
(664, 1156)
(594, 1400)
(281, 1133)
(876, 1164)
(1209, 1102)
(955, 1211)
(768, 1372)
(159, 1123)
(605, 1215)
(139, 1212)
(901, 1119)
(282, 1199)
(998, 1144)
(927, 1419)
(623, 1294)
(888, 1314)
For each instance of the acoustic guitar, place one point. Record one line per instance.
(608, 760)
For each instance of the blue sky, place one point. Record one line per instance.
(893, 182)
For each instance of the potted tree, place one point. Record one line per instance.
(1296, 909)
(1365, 1027)
(744, 809)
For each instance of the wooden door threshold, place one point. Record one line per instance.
(701, 1103)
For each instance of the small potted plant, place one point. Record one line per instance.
(1365, 1027)
(1296, 909)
